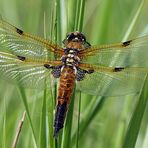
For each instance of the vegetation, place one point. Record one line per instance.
(92, 121)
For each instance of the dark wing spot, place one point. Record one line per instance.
(127, 43)
(19, 31)
(21, 58)
(47, 66)
(118, 69)
(90, 71)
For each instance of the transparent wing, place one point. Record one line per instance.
(26, 45)
(25, 71)
(108, 81)
(130, 53)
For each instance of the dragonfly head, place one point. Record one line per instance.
(75, 37)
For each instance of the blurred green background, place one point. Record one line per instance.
(103, 121)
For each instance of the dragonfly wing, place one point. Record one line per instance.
(130, 53)
(24, 44)
(25, 71)
(108, 81)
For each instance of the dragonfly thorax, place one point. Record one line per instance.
(70, 58)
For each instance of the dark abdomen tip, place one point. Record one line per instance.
(59, 118)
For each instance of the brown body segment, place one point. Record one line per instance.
(66, 86)
(67, 81)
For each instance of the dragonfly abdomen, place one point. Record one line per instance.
(67, 80)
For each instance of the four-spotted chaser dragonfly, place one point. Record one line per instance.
(30, 60)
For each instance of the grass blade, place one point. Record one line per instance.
(68, 125)
(18, 131)
(79, 18)
(79, 15)
(92, 110)
(78, 129)
(43, 129)
(133, 22)
(4, 126)
(24, 99)
(136, 119)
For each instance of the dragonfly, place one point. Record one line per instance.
(104, 70)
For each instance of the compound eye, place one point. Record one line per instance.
(76, 36)
(83, 38)
(70, 36)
